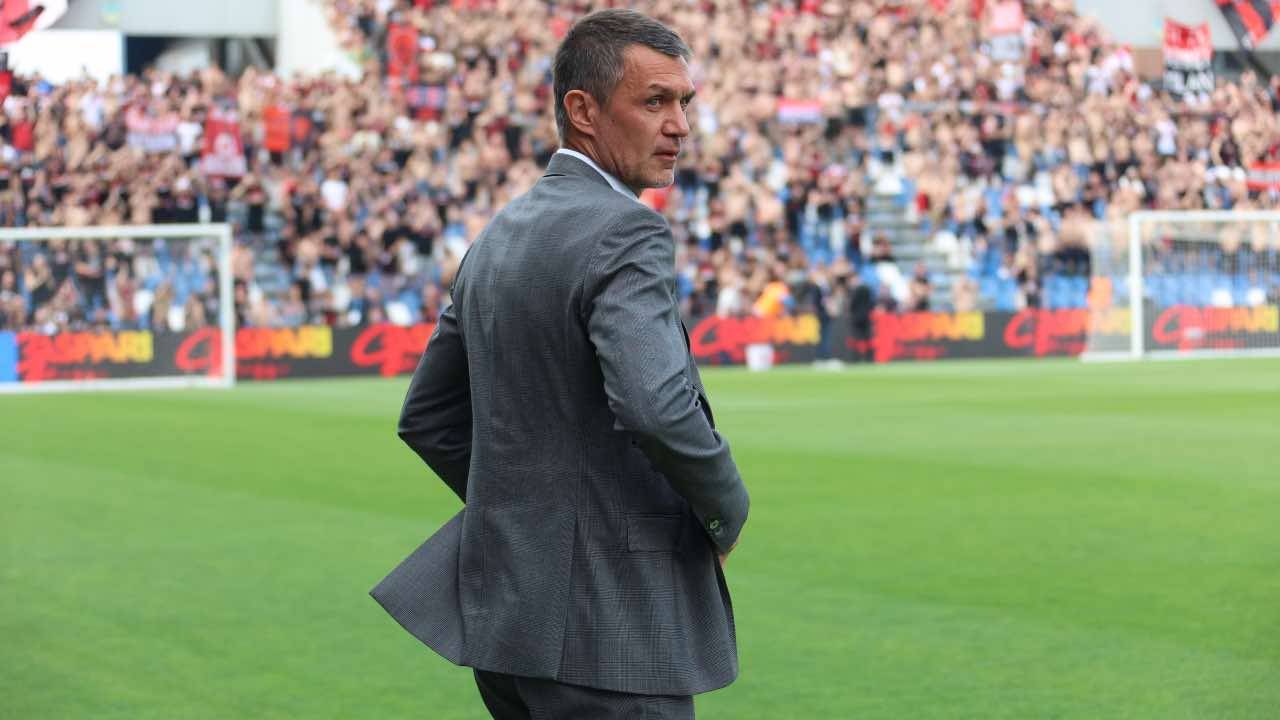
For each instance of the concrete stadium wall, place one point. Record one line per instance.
(220, 18)
(62, 55)
(1141, 22)
(306, 43)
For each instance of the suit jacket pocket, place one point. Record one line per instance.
(654, 533)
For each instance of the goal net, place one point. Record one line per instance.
(116, 308)
(1192, 284)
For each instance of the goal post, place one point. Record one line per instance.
(103, 308)
(1192, 284)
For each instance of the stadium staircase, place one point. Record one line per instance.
(888, 215)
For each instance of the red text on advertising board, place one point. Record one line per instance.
(909, 335)
(731, 336)
(1186, 328)
(200, 351)
(1061, 332)
(393, 349)
(42, 356)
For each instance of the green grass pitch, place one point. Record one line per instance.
(966, 540)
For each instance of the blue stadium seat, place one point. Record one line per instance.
(989, 287)
(1206, 285)
(1007, 299)
(1163, 289)
(1183, 289)
(1240, 291)
(1079, 287)
(870, 277)
(1120, 288)
(411, 299)
(1053, 295)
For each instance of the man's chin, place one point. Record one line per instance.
(660, 179)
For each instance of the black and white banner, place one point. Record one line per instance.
(1188, 59)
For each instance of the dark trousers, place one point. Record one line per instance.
(510, 697)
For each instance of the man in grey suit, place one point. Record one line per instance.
(557, 397)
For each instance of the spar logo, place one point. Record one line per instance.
(923, 335)
(729, 337)
(80, 355)
(1062, 332)
(311, 350)
(201, 351)
(1188, 328)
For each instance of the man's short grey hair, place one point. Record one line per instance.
(591, 56)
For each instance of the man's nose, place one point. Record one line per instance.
(678, 124)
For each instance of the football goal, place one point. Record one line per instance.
(1191, 284)
(93, 308)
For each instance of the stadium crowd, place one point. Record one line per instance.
(359, 196)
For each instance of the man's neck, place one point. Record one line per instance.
(587, 152)
(578, 145)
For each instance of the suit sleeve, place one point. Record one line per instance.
(633, 322)
(436, 418)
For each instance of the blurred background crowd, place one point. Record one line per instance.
(846, 158)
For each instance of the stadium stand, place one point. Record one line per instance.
(888, 140)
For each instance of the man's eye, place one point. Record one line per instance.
(654, 101)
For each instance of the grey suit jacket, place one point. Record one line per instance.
(558, 399)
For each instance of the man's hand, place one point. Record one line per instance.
(724, 557)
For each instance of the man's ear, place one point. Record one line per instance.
(582, 111)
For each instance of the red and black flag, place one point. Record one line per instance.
(1250, 20)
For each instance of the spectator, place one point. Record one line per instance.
(920, 290)
(294, 311)
(885, 301)
(964, 295)
(731, 301)
(39, 283)
(861, 307)
(377, 184)
(774, 299)
(1026, 271)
